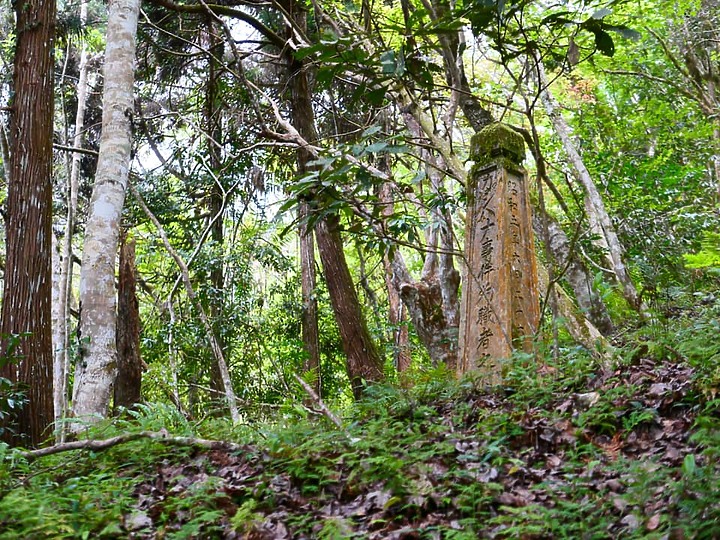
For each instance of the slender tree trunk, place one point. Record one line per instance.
(62, 340)
(432, 302)
(595, 206)
(97, 367)
(58, 314)
(213, 128)
(207, 326)
(129, 376)
(447, 275)
(363, 359)
(397, 315)
(397, 319)
(582, 330)
(574, 271)
(4, 154)
(26, 307)
(304, 120)
(310, 329)
(364, 363)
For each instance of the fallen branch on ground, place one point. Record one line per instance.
(104, 444)
(319, 402)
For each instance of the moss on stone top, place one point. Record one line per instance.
(497, 141)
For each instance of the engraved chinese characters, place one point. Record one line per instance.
(500, 307)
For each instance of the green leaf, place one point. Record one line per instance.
(377, 96)
(689, 467)
(376, 147)
(304, 52)
(372, 130)
(604, 43)
(624, 31)
(392, 63)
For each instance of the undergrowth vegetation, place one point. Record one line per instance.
(576, 449)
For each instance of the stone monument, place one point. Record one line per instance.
(499, 310)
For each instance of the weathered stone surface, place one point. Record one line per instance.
(497, 141)
(500, 306)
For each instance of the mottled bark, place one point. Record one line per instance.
(129, 376)
(424, 300)
(97, 367)
(26, 307)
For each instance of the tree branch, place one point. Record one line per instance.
(319, 402)
(103, 444)
(224, 10)
(76, 150)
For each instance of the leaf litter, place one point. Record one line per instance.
(452, 471)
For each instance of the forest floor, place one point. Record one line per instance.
(627, 452)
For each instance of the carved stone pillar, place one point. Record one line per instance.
(500, 308)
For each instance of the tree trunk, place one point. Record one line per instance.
(304, 120)
(310, 329)
(432, 302)
(364, 363)
(207, 326)
(397, 319)
(574, 271)
(597, 214)
(213, 129)
(97, 367)
(129, 375)
(4, 153)
(26, 307)
(363, 360)
(62, 335)
(582, 330)
(397, 315)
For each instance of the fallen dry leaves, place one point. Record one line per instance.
(535, 463)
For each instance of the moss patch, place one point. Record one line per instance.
(497, 141)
